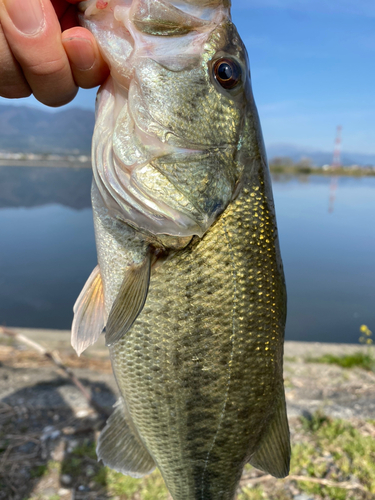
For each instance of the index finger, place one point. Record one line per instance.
(33, 33)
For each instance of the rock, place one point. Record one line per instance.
(90, 471)
(50, 432)
(59, 452)
(65, 479)
(72, 445)
(303, 496)
(28, 447)
(82, 413)
(63, 492)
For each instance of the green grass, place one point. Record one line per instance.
(151, 487)
(363, 360)
(336, 451)
(314, 423)
(251, 494)
(87, 449)
(72, 466)
(326, 448)
(291, 359)
(75, 461)
(38, 471)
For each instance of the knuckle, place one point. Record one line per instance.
(51, 81)
(44, 68)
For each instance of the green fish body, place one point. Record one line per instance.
(189, 287)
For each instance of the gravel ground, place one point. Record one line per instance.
(44, 417)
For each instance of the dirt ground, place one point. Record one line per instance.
(48, 429)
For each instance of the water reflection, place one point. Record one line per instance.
(328, 257)
(47, 250)
(35, 186)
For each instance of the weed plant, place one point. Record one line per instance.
(362, 359)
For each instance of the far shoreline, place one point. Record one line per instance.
(275, 170)
(45, 163)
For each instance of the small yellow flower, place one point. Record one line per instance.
(366, 338)
(366, 330)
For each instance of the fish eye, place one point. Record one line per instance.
(227, 72)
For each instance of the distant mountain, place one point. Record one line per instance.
(69, 131)
(318, 158)
(31, 130)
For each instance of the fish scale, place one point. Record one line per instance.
(215, 370)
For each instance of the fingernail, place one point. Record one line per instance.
(26, 15)
(81, 52)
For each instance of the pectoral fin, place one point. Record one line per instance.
(88, 321)
(120, 447)
(129, 301)
(273, 454)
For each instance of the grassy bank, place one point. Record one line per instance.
(362, 359)
(48, 431)
(332, 459)
(358, 359)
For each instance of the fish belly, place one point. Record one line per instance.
(201, 368)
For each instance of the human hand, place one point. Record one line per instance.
(44, 52)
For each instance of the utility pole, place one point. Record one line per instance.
(336, 163)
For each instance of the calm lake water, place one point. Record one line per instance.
(47, 250)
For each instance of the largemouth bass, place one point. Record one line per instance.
(189, 287)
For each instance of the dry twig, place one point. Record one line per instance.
(255, 480)
(9, 483)
(347, 485)
(55, 358)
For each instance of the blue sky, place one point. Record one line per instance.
(313, 69)
(312, 64)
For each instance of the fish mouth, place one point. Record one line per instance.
(127, 30)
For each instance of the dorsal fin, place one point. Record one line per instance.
(88, 321)
(129, 301)
(273, 453)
